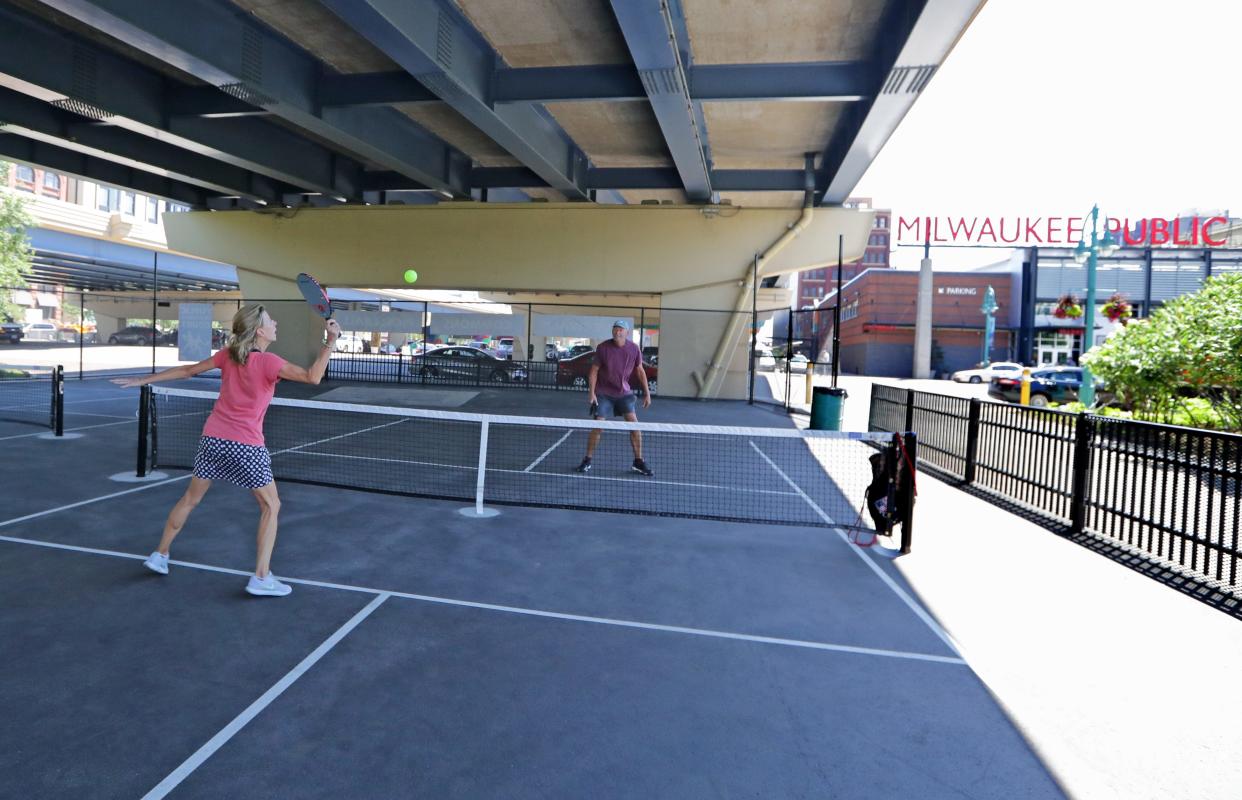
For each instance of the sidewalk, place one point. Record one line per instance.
(1124, 687)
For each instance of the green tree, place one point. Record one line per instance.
(15, 252)
(1164, 366)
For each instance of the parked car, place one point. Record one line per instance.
(1048, 385)
(798, 363)
(579, 349)
(389, 349)
(71, 333)
(11, 332)
(134, 334)
(651, 355)
(553, 353)
(576, 371)
(40, 332)
(764, 361)
(504, 347)
(1007, 369)
(470, 363)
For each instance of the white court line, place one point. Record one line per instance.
(113, 399)
(128, 421)
(340, 436)
(909, 601)
(97, 414)
(67, 430)
(528, 612)
(548, 452)
(240, 721)
(38, 514)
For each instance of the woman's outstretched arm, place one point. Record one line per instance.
(292, 372)
(173, 374)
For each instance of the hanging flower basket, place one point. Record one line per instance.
(1118, 308)
(1068, 307)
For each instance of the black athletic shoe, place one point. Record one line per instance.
(641, 468)
(585, 466)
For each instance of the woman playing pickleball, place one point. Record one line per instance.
(232, 448)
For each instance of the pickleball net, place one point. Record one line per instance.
(33, 400)
(764, 475)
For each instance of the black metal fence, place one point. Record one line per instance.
(489, 373)
(1172, 495)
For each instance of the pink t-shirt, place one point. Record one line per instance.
(616, 367)
(245, 393)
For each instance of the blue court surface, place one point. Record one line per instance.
(541, 653)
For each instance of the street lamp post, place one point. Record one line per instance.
(989, 324)
(1105, 244)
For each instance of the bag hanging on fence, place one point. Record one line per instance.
(887, 496)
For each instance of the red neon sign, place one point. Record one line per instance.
(1150, 232)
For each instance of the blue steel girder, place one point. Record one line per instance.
(604, 179)
(914, 38)
(430, 41)
(87, 167)
(649, 34)
(27, 116)
(99, 85)
(229, 49)
(829, 81)
(208, 101)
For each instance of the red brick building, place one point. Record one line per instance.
(878, 314)
(816, 284)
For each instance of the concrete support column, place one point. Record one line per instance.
(105, 325)
(691, 336)
(923, 321)
(299, 331)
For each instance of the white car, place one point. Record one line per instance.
(764, 361)
(348, 344)
(798, 363)
(998, 369)
(40, 332)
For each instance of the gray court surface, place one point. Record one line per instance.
(397, 395)
(543, 653)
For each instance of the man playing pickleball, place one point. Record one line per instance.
(617, 362)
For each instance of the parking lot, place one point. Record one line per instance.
(91, 358)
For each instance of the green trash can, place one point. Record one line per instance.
(827, 408)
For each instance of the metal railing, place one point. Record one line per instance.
(1168, 494)
(415, 369)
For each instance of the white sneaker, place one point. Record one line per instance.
(157, 562)
(268, 587)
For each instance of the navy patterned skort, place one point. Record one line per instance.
(246, 465)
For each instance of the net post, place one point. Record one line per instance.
(144, 420)
(58, 400)
(909, 426)
(972, 440)
(478, 489)
(754, 329)
(908, 485)
(1084, 432)
(82, 327)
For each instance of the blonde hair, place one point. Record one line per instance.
(246, 324)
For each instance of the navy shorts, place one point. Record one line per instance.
(246, 465)
(616, 406)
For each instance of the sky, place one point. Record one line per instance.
(1045, 107)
